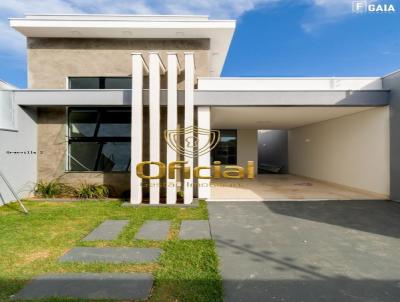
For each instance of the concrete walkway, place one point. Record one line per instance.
(90, 286)
(108, 230)
(154, 230)
(308, 251)
(194, 230)
(111, 255)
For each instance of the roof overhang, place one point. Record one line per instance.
(220, 32)
(369, 98)
(86, 97)
(120, 97)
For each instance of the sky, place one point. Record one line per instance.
(273, 37)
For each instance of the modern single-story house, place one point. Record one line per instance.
(106, 93)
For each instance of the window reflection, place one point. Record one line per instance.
(100, 83)
(99, 139)
(115, 123)
(226, 150)
(84, 83)
(83, 123)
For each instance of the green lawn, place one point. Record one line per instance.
(31, 244)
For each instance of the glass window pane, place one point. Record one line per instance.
(115, 157)
(98, 139)
(118, 83)
(83, 156)
(82, 123)
(84, 83)
(115, 123)
(226, 150)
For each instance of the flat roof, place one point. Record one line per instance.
(116, 17)
(220, 32)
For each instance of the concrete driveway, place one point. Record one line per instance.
(308, 251)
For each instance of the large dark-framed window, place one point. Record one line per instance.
(100, 83)
(99, 139)
(226, 150)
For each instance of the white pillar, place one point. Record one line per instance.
(172, 118)
(189, 121)
(155, 67)
(204, 122)
(138, 66)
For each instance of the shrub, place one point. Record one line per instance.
(50, 189)
(92, 191)
(180, 194)
(126, 195)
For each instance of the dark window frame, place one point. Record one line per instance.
(102, 81)
(102, 140)
(236, 147)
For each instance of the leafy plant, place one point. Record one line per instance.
(50, 189)
(92, 191)
(180, 194)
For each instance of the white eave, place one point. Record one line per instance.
(219, 32)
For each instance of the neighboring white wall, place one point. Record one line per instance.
(7, 110)
(19, 169)
(351, 150)
(333, 83)
(247, 147)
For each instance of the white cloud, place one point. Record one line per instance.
(320, 11)
(214, 8)
(11, 41)
(323, 12)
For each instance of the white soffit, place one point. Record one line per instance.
(275, 117)
(220, 32)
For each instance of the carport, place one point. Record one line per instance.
(332, 153)
(335, 138)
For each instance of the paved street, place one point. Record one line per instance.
(308, 251)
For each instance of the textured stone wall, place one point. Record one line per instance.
(52, 60)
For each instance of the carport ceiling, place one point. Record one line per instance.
(275, 117)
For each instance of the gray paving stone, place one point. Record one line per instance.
(114, 286)
(111, 255)
(195, 230)
(154, 230)
(108, 230)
